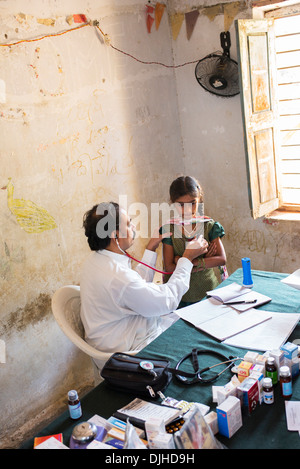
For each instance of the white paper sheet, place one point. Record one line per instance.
(266, 336)
(293, 280)
(221, 321)
(292, 412)
(231, 291)
(236, 293)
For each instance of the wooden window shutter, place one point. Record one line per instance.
(256, 49)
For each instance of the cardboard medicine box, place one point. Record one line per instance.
(229, 416)
(244, 370)
(289, 350)
(248, 393)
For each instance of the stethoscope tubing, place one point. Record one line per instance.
(196, 377)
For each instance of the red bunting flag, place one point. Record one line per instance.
(80, 19)
(149, 17)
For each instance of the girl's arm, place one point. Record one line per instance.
(216, 256)
(169, 259)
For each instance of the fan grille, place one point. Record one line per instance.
(218, 74)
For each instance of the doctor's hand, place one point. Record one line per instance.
(156, 239)
(195, 248)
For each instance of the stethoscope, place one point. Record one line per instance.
(140, 262)
(196, 377)
(202, 219)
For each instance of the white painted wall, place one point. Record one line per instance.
(81, 123)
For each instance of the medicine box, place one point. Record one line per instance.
(163, 441)
(257, 368)
(227, 390)
(250, 357)
(279, 357)
(259, 376)
(244, 370)
(212, 421)
(154, 427)
(229, 416)
(248, 393)
(290, 350)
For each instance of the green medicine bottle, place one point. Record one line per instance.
(271, 370)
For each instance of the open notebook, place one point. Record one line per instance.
(254, 329)
(219, 320)
(238, 297)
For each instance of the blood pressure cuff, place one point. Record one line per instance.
(140, 376)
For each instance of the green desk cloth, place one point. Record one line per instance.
(265, 428)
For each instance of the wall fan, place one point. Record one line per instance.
(218, 73)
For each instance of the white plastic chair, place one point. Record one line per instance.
(66, 310)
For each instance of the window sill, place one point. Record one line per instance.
(279, 215)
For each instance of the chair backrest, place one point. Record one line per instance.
(66, 310)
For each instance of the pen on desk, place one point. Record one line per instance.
(240, 302)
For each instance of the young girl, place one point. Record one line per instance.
(186, 194)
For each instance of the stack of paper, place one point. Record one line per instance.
(245, 328)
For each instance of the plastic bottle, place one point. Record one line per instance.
(247, 277)
(268, 391)
(285, 382)
(74, 405)
(271, 370)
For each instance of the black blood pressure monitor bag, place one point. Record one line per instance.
(137, 375)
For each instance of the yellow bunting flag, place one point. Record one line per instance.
(230, 12)
(212, 12)
(159, 11)
(176, 23)
(190, 21)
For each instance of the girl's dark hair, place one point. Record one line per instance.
(185, 185)
(99, 238)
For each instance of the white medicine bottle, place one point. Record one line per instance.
(74, 405)
(268, 391)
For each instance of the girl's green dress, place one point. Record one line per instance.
(201, 281)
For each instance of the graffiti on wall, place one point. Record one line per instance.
(31, 217)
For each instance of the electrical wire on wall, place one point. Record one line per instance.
(106, 39)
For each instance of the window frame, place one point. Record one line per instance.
(248, 31)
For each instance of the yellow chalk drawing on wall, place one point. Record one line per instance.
(31, 217)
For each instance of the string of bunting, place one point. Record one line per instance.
(154, 14)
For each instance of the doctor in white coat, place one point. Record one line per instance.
(121, 308)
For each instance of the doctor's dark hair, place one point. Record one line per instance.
(99, 222)
(185, 185)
